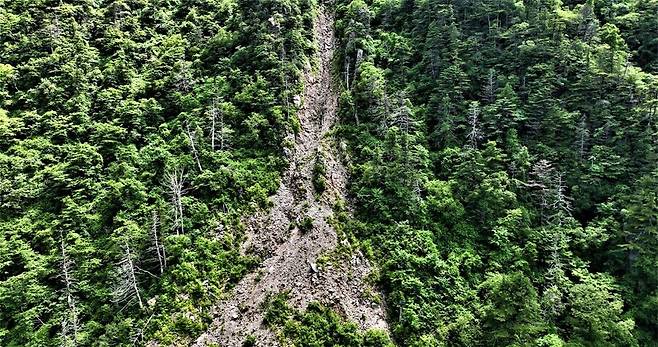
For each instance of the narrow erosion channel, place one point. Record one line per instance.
(291, 255)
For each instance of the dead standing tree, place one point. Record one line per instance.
(219, 130)
(489, 88)
(402, 117)
(158, 246)
(475, 134)
(175, 181)
(191, 135)
(127, 288)
(70, 322)
(214, 112)
(554, 203)
(582, 133)
(54, 32)
(555, 209)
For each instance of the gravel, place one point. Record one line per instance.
(290, 256)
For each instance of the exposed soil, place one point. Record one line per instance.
(290, 254)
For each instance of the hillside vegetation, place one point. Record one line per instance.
(506, 167)
(133, 136)
(496, 160)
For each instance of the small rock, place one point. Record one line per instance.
(314, 266)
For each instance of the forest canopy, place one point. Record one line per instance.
(505, 167)
(133, 136)
(502, 156)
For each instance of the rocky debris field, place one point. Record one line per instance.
(296, 231)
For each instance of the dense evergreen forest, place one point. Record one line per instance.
(502, 157)
(134, 134)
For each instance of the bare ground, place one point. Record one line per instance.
(290, 254)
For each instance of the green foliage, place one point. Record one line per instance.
(502, 155)
(277, 310)
(134, 137)
(511, 310)
(319, 179)
(596, 311)
(319, 326)
(502, 167)
(250, 341)
(305, 224)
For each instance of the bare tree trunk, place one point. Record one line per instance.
(357, 62)
(219, 131)
(54, 32)
(555, 204)
(347, 74)
(222, 132)
(490, 87)
(131, 273)
(174, 181)
(71, 320)
(562, 202)
(583, 134)
(191, 136)
(213, 116)
(159, 248)
(474, 134)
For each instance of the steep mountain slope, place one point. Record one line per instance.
(177, 168)
(298, 230)
(504, 167)
(134, 138)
